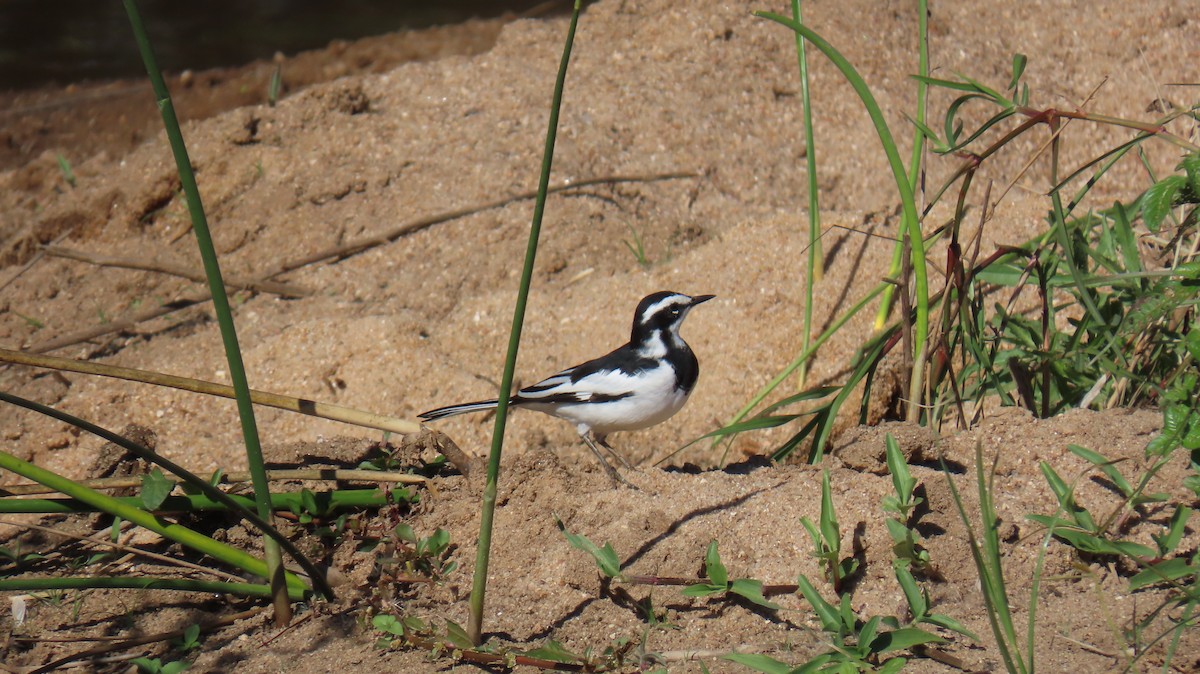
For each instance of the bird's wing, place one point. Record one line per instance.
(609, 377)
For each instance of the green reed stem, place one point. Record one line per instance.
(188, 477)
(479, 582)
(180, 534)
(212, 269)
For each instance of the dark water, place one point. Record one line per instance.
(59, 41)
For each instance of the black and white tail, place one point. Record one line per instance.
(454, 410)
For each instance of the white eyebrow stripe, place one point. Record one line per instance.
(658, 306)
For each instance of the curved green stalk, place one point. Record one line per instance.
(212, 269)
(180, 534)
(911, 222)
(479, 581)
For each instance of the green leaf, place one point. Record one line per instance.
(902, 479)
(903, 638)
(826, 613)
(308, 500)
(456, 635)
(1159, 199)
(1169, 570)
(149, 665)
(714, 570)
(918, 603)
(869, 630)
(405, 533)
(155, 489)
(946, 622)
(759, 663)
(176, 667)
(703, 590)
(829, 524)
(1175, 530)
(388, 624)
(751, 590)
(892, 666)
(606, 557)
(1105, 467)
(554, 652)
(1018, 68)
(1191, 166)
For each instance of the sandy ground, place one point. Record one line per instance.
(655, 88)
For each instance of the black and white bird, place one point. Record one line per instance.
(636, 386)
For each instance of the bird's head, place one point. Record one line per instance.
(663, 312)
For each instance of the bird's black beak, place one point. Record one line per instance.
(701, 298)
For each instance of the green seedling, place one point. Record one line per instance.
(905, 539)
(606, 557)
(426, 555)
(636, 247)
(918, 605)
(719, 583)
(155, 489)
(1017, 653)
(1174, 569)
(189, 641)
(17, 557)
(30, 320)
(156, 666)
(395, 630)
(65, 167)
(1134, 497)
(827, 540)
(1078, 528)
(855, 645)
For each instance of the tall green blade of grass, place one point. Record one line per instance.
(911, 221)
(479, 581)
(816, 263)
(212, 270)
(986, 555)
(914, 166)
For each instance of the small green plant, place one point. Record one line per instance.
(606, 557)
(65, 167)
(30, 320)
(189, 641)
(1077, 526)
(636, 247)
(425, 555)
(855, 645)
(395, 630)
(918, 605)
(1016, 652)
(718, 582)
(906, 541)
(157, 666)
(827, 541)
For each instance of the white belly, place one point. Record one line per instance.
(655, 400)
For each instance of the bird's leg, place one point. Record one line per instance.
(603, 440)
(612, 472)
